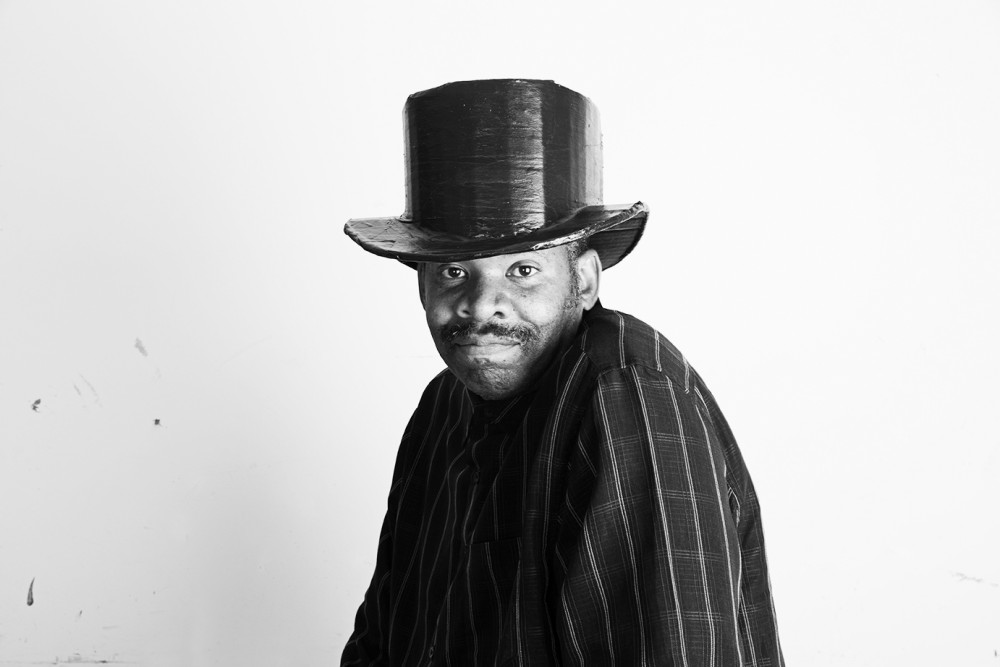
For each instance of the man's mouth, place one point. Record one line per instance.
(485, 341)
(485, 348)
(488, 334)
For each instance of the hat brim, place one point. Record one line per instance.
(613, 232)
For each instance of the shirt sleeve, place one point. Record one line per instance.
(367, 645)
(649, 553)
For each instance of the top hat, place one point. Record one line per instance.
(501, 166)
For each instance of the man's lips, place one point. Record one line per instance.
(485, 347)
(472, 334)
(485, 342)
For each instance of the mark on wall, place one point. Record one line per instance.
(141, 347)
(34, 406)
(977, 580)
(31, 592)
(97, 397)
(156, 422)
(77, 659)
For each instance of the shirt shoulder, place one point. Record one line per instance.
(442, 396)
(612, 340)
(634, 364)
(443, 403)
(618, 344)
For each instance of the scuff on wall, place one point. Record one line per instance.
(97, 397)
(961, 576)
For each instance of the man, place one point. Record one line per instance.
(567, 492)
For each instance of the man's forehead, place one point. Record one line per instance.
(555, 253)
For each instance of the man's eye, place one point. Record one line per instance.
(525, 271)
(453, 272)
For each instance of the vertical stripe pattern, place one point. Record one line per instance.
(604, 518)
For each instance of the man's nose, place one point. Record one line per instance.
(485, 298)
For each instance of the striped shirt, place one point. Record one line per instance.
(604, 518)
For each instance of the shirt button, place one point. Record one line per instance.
(475, 478)
(430, 653)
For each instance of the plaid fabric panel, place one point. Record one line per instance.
(607, 518)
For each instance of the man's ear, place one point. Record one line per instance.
(421, 268)
(589, 270)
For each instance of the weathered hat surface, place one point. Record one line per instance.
(501, 166)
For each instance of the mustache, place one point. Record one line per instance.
(519, 332)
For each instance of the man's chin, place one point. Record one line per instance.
(491, 383)
(500, 355)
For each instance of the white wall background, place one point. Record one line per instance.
(174, 176)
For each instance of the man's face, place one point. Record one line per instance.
(498, 321)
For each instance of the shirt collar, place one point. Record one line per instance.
(500, 412)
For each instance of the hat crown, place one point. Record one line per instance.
(500, 158)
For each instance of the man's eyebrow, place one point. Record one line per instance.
(527, 253)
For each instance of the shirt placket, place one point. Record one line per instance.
(472, 498)
(483, 445)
